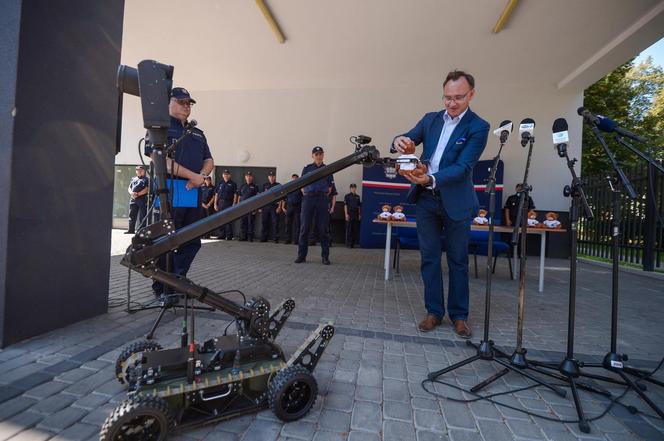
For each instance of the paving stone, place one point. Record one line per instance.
(395, 390)
(334, 421)
(53, 404)
(356, 435)
(18, 423)
(325, 435)
(235, 425)
(45, 390)
(369, 393)
(14, 406)
(430, 421)
(458, 415)
(299, 429)
(62, 419)
(338, 401)
(77, 432)
(262, 430)
(397, 431)
(494, 430)
(91, 401)
(366, 416)
(425, 435)
(465, 435)
(397, 410)
(32, 435)
(525, 429)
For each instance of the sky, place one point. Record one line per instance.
(656, 51)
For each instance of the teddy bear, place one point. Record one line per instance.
(481, 218)
(386, 213)
(532, 220)
(398, 214)
(552, 221)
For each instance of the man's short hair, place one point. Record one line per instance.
(294, 175)
(353, 186)
(456, 74)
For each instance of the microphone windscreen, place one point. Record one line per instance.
(506, 122)
(606, 124)
(580, 110)
(559, 125)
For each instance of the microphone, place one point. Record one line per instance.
(362, 139)
(526, 129)
(560, 136)
(609, 125)
(503, 131)
(191, 124)
(587, 115)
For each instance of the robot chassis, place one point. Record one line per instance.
(170, 390)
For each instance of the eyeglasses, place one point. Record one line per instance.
(185, 103)
(455, 98)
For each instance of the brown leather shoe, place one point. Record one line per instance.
(462, 329)
(429, 323)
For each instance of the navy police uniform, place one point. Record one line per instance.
(293, 210)
(512, 205)
(353, 206)
(191, 153)
(313, 237)
(245, 192)
(207, 194)
(315, 205)
(137, 206)
(269, 217)
(226, 191)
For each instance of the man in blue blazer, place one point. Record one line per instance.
(454, 140)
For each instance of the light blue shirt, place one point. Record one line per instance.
(448, 127)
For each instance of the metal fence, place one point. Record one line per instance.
(641, 228)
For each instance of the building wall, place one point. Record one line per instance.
(279, 127)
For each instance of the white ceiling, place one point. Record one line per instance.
(227, 44)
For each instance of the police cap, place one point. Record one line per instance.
(140, 167)
(317, 149)
(248, 173)
(271, 174)
(180, 93)
(226, 171)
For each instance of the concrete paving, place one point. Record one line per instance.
(62, 386)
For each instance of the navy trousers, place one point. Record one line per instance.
(182, 257)
(137, 211)
(226, 231)
(247, 227)
(314, 210)
(432, 223)
(293, 222)
(269, 223)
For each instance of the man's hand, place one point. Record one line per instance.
(347, 217)
(331, 210)
(195, 181)
(402, 144)
(134, 195)
(420, 179)
(216, 207)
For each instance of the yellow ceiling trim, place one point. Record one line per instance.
(271, 21)
(500, 24)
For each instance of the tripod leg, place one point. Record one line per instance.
(433, 375)
(583, 424)
(489, 380)
(150, 335)
(557, 390)
(579, 384)
(642, 394)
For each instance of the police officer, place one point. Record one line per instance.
(224, 198)
(270, 213)
(293, 208)
(207, 199)
(352, 206)
(512, 206)
(191, 161)
(331, 203)
(315, 209)
(138, 199)
(246, 191)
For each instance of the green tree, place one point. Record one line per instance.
(632, 95)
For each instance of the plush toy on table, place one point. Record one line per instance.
(532, 220)
(481, 218)
(386, 213)
(552, 221)
(398, 214)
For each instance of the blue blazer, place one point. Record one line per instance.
(454, 178)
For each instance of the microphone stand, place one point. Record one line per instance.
(570, 367)
(486, 349)
(613, 361)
